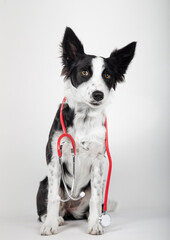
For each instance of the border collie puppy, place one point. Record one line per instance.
(89, 81)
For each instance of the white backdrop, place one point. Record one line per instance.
(31, 89)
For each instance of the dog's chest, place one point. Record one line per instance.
(89, 135)
(88, 131)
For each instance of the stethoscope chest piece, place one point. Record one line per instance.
(105, 220)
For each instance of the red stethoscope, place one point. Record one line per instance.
(104, 219)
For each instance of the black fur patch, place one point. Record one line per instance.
(83, 189)
(68, 116)
(69, 216)
(118, 62)
(83, 64)
(72, 49)
(41, 199)
(65, 169)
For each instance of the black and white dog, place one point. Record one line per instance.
(89, 81)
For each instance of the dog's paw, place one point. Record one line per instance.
(49, 229)
(96, 229)
(60, 221)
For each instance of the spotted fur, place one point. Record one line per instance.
(89, 81)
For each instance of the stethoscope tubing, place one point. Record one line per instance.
(65, 134)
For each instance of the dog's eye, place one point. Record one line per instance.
(107, 76)
(85, 73)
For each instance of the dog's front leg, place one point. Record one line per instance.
(54, 175)
(94, 226)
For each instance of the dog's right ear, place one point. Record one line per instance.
(71, 49)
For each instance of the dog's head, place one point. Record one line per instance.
(93, 77)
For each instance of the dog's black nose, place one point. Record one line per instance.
(98, 95)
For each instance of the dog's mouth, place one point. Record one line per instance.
(95, 103)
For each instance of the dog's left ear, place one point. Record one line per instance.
(71, 49)
(120, 60)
